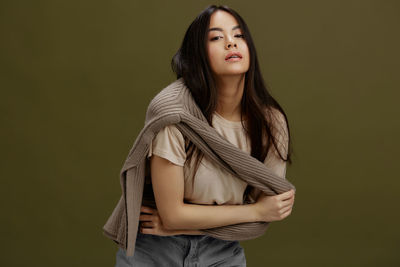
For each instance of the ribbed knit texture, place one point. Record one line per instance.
(175, 105)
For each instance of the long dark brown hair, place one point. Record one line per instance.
(191, 63)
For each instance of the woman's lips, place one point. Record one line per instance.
(233, 56)
(233, 59)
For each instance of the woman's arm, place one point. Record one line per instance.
(168, 186)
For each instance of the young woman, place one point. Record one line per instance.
(219, 65)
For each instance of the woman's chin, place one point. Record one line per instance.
(234, 72)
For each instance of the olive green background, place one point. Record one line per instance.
(76, 78)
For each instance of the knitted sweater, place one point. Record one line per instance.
(174, 104)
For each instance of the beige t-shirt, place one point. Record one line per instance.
(212, 184)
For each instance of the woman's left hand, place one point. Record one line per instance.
(150, 223)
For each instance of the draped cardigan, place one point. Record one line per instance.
(174, 104)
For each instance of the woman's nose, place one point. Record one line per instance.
(230, 43)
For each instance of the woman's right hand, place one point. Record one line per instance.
(274, 208)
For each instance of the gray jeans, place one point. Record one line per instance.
(182, 250)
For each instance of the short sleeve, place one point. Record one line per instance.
(169, 143)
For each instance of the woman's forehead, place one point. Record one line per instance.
(222, 19)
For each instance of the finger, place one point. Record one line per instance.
(145, 217)
(146, 230)
(288, 199)
(146, 209)
(287, 213)
(287, 203)
(147, 224)
(285, 195)
(286, 209)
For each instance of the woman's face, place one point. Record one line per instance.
(224, 37)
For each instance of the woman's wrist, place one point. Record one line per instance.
(254, 210)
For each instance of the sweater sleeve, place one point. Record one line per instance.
(251, 230)
(169, 143)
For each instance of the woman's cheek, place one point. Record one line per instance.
(213, 57)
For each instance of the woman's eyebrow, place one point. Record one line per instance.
(221, 30)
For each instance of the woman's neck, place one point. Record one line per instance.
(230, 93)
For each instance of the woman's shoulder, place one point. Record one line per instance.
(279, 129)
(276, 118)
(169, 143)
(171, 133)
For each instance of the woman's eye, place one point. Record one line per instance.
(217, 37)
